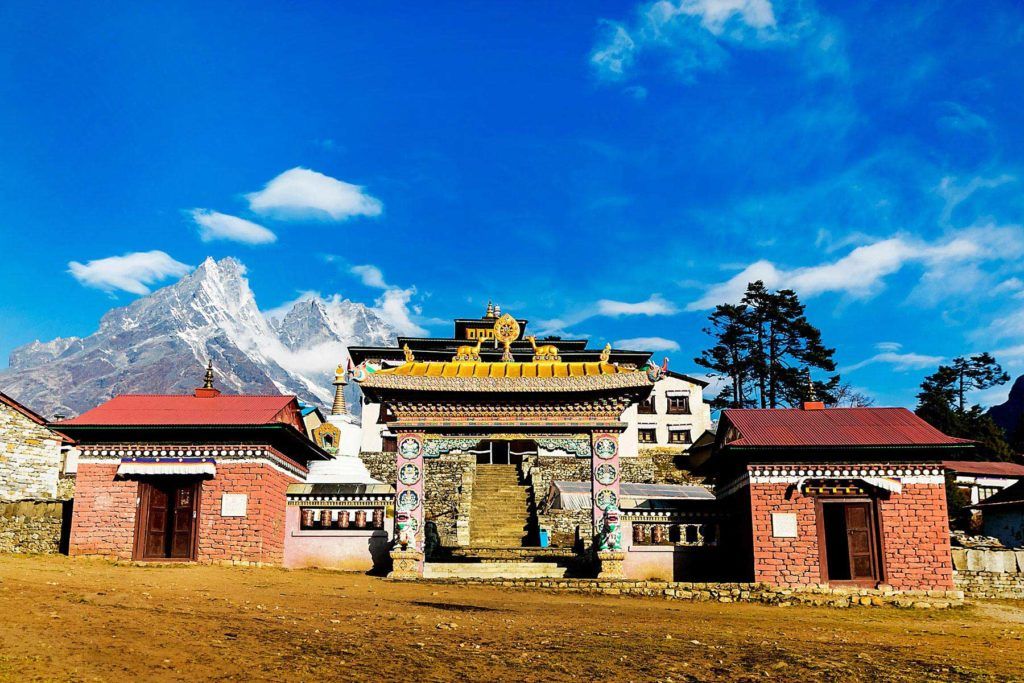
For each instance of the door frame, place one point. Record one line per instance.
(141, 519)
(874, 540)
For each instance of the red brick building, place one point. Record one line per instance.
(840, 496)
(198, 477)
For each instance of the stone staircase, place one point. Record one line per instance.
(493, 570)
(499, 512)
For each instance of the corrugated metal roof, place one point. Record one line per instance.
(834, 427)
(167, 410)
(996, 469)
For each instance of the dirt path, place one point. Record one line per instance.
(81, 620)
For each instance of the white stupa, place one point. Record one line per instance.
(346, 467)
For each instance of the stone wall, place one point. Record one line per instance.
(29, 457)
(563, 524)
(31, 526)
(989, 573)
(824, 596)
(448, 490)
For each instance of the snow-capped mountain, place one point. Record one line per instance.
(161, 342)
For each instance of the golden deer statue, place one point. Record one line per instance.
(469, 353)
(543, 352)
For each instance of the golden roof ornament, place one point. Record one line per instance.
(506, 331)
(544, 352)
(408, 354)
(490, 309)
(208, 378)
(606, 353)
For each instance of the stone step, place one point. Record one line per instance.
(492, 570)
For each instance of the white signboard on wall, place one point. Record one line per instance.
(784, 525)
(233, 504)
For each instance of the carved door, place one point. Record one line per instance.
(167, 516)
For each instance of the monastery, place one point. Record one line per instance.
(495, 454)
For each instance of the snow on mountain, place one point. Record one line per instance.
(161, 342)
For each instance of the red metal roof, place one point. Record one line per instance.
(993, 469)
(187, 410)
(834, 427)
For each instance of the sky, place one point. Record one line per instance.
(609, 170)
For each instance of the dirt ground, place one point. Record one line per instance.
(83, 620)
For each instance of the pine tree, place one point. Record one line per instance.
(942, 403)
(764, 346)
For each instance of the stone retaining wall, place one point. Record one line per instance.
(989, 573)
(31, 526)
(734, 592)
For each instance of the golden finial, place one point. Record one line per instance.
(208, 379)
(606, 353)
(812, 395)
(408, 354)
(506, 331)
(490, 309)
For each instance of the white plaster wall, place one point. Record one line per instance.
(697, 421)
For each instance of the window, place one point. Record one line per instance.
(679, 436)
(646, 435)
(390, 444)
(646, 407)
(679, 405)
(986, 491)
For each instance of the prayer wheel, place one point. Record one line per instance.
(308, 518)
(325, 519)
(378, 518)
(638, 534)
(361, 519)
(658, 534)
(343, 519)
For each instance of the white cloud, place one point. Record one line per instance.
(214, 225)
(393, 307)
(303, 193)
(648, 344)
(370, 275)
(130, 273)
(696, 35)
(862, 272)
(655, 305)
(899, 361)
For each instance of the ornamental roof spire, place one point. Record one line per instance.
(340, 380)
(490, 309)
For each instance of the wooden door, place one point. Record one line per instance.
(859, 541)
(156, 513)
(167, 519)
(182, 523)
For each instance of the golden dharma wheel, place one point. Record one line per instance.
(506, 329)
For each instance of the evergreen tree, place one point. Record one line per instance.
(764, 345)
(942, 403)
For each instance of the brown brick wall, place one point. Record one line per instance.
(913, 527)
(916, 538)
(257, 537)
(784, 561)
(103, 522)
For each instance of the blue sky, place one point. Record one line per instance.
(604, 169)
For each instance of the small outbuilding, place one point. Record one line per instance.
(844, 496)
(1002, 515)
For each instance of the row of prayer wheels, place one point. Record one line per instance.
(327, 518)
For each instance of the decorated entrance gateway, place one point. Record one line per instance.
(498, 398)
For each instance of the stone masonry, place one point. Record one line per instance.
(29, 457)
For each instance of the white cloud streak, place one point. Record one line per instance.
(370, 275)
(393, 304)
(132, 272)
(654, 305)
(861, 274)
(300, 193)
(648, 344)
(697, 35)
(214, 225)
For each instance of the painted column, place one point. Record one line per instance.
(605, 476)
(407, 554)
